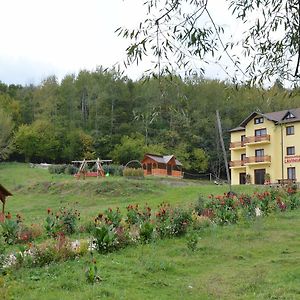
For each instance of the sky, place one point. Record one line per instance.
(40, 38)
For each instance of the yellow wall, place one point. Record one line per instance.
(274, 149)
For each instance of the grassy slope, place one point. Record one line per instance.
(260, 261)
(35, 190)
(248, 261)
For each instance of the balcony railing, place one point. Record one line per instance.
(237, 163)
(237, 144)
(258, 159)
(259, 138)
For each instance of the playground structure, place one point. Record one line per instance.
(84, 165)
(3, 194)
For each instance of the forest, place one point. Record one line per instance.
(104, 114)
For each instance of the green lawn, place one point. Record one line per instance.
(258, 260)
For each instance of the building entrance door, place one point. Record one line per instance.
(149, 169)
(259, 176)
(242, 178)
(169, 169)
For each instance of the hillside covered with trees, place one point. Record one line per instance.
(104, 114)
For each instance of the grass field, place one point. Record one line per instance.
(257, 260)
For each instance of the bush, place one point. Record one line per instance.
(105, 238)
(131, 172)
(11, 229)
(146, 232)
(199, 205)
(115, 170)
(57, 169)
(64, 220)
(70, 170)
(192, 241)
(136, 216)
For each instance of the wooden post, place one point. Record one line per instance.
(3, 205)
(223, 148)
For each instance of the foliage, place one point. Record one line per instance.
(130, 148)
(269, 40)
(57, 169)
(115, 170)
(62, 221)
(192, 240)
(146, 232)
(105, 238)
(6, 128)
(132, 172)
(91, 272)
(11, 228)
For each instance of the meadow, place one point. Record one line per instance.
(255, 259)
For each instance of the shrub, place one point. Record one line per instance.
(294, 201)
(223, 209)
(91, 272)
(199, 205)
(192, 241)
(11, 228)
(105, 238)
(200, 222)
(172, 222)
(64, 220)
(181, 219)
(132, 172)
(70, 170)
(113, 217)
(146, 232)
(3, 248)
(135, 215)
(115, 170)
(57, 169)
(44, 254)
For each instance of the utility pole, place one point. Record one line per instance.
(223, 148)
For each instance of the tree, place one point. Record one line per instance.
(6, 128)
(199, 160)
(129, 149)
(179, 31)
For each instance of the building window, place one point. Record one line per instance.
(243, 138)
(290, 130)
(258, 120)
(259, 152)
(261, 132)
(290, 150)
(291, 173)
(289, 116)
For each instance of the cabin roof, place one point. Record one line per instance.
(4, 191)
(163, 159)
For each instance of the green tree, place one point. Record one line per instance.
(199, 160)
(38, 142)
(6, 128)
(130, 148)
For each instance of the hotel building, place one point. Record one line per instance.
(265, 148)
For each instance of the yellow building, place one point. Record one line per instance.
(265, 148)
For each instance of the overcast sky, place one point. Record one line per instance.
(55, 37)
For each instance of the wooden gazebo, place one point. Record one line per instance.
(3, 194)
(162, 165)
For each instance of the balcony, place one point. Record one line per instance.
(237, 163)
(260, 139)
(258, 159)
(237, 145)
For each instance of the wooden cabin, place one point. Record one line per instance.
(162, 165)
(3, 194)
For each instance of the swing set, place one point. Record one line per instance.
(84, 170)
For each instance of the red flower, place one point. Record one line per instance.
(48, 211)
